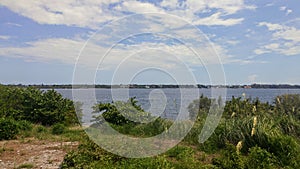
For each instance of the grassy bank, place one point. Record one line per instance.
(250, 135)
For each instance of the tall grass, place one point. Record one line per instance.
(251, 134)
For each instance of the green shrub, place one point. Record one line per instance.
(36, 106)
(87, 153)
(117, 114)
(120, 113)
(25, 125)
(41, 129)
(229, 159)
(8, 129)
(58, 129)
(240, 108)
(199, 107)
(286, 149)
(180, 152)
(289, 125)
(260, 158)
(288, 104)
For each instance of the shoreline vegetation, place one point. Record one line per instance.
(250, 135)
(151, 86)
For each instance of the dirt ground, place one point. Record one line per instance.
(33, 153)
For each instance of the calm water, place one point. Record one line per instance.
(173, 98)
(264, 95)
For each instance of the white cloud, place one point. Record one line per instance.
(269, 4)
(288, 11)
(229, 6)
(289, 51)
(282, 31)
(169, 3)
(260, 51)
(282, 8)
(271, 26)
(216, 19)
(3, 37)
(13, 24)
(272, 46)
(64, 50)
(285, 39)
(139, 7)
(233, 42)
(161, 55)
(92, 14)
(190, 10)
(79, 13)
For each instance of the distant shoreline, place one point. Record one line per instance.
(154, 86)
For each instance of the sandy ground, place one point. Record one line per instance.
(43, 154)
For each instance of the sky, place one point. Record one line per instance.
(148, 42)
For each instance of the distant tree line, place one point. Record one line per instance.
(145, 86)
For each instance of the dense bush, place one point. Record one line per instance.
(259, 158)
(120, 113)
(8, 129)
(87, 153)
(36, 106)
(25, 125)
(129, 118)
(41, 129)
(229, 159)
(58, 128)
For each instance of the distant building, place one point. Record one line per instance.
(247, 87)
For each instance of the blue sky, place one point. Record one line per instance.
(112, 41)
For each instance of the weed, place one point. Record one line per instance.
(25, 166)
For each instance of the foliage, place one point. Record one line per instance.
(120, 113)
(229, 159)
(275, 134)
(288, 104)
(241, 108)
(25, 125)
(260, 158)
(41, 129)
(87, 153)
(286, 149)
(36, 106)
(199, 107)
(90, 155)
(257, 158)
(58, 129)
(180, 153)
(130, 118)
(288, 107)
(268, 133)
(25, 166)
(8, 129)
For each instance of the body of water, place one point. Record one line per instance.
(264, 95)
(172, 97)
